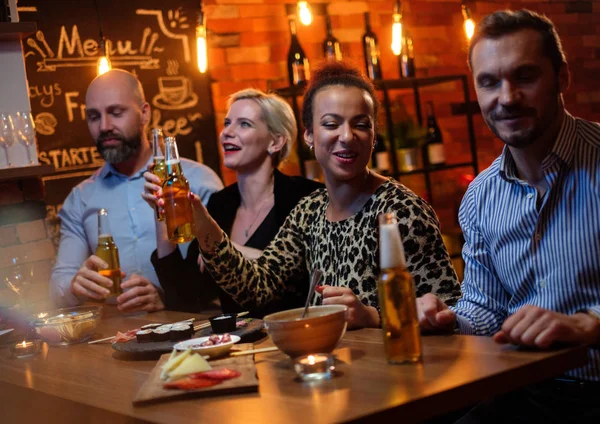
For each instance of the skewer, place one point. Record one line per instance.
(102, 340)
(253, 351)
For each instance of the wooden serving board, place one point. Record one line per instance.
(152, 390)
(133, 346)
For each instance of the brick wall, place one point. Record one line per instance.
(248, 42)
(26, 249)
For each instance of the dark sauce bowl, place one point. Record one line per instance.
(223, 323)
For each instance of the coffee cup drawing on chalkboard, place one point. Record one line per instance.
(174, 92)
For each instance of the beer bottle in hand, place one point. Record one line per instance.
(178, 208)
(158, 153)
(396, 291)
(107, 251)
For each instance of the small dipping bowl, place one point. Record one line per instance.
(223, 323)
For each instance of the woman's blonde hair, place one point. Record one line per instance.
(277, 115)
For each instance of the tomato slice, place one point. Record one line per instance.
(218, 375)
(191, 383)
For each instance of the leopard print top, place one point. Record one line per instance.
(346, 251)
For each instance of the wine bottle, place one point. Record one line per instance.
(331, 46)
(371, 51)
(435, 144)
(408, 56)
(297, 62)
(396, 293)
(381, 157)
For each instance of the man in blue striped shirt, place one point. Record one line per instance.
(531, 220)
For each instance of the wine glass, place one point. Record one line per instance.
(18, 278)
(7, 134)
(26, 131)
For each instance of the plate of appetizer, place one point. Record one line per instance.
(213, 346)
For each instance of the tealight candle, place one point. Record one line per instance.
(314, 367)
(26, 348)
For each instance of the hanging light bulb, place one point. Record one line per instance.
(397, 29)
(304, 13)
(104, 64)
(201, 46)
(469, 23)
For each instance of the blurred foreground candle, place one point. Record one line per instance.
(314, 367)
(26, 348)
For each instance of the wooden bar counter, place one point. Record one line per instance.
(95, 384)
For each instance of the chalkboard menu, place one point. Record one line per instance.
(154, 39)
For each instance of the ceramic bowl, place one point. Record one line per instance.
(320, 331)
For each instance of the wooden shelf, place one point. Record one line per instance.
(428, 170)
(391, 84)
(16, 30)
(23, 172)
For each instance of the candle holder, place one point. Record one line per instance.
(314, 367)
(26, 348)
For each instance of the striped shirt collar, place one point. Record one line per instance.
(561, 150)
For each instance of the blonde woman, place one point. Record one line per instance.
(257, 136)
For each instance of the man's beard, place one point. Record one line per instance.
(121, 153)
(517, 138)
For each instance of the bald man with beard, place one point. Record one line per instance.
(117, 115)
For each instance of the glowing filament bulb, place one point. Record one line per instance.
(469, 28)
(397, 36)
(201, 48)
(304, 13)
(469, 23)
(104, 64)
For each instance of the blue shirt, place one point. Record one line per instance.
(131, 220)
(524, 250)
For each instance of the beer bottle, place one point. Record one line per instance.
(158, 153)
(396, 291)
(178, 208)
(107, 251)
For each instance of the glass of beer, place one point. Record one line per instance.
(107, 251)
(396, 291)
(158, 153)
(178, 208)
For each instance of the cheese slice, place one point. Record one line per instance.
(174, 361)
(191, 364)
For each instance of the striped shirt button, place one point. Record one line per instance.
(530, 196)
(542, 283)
